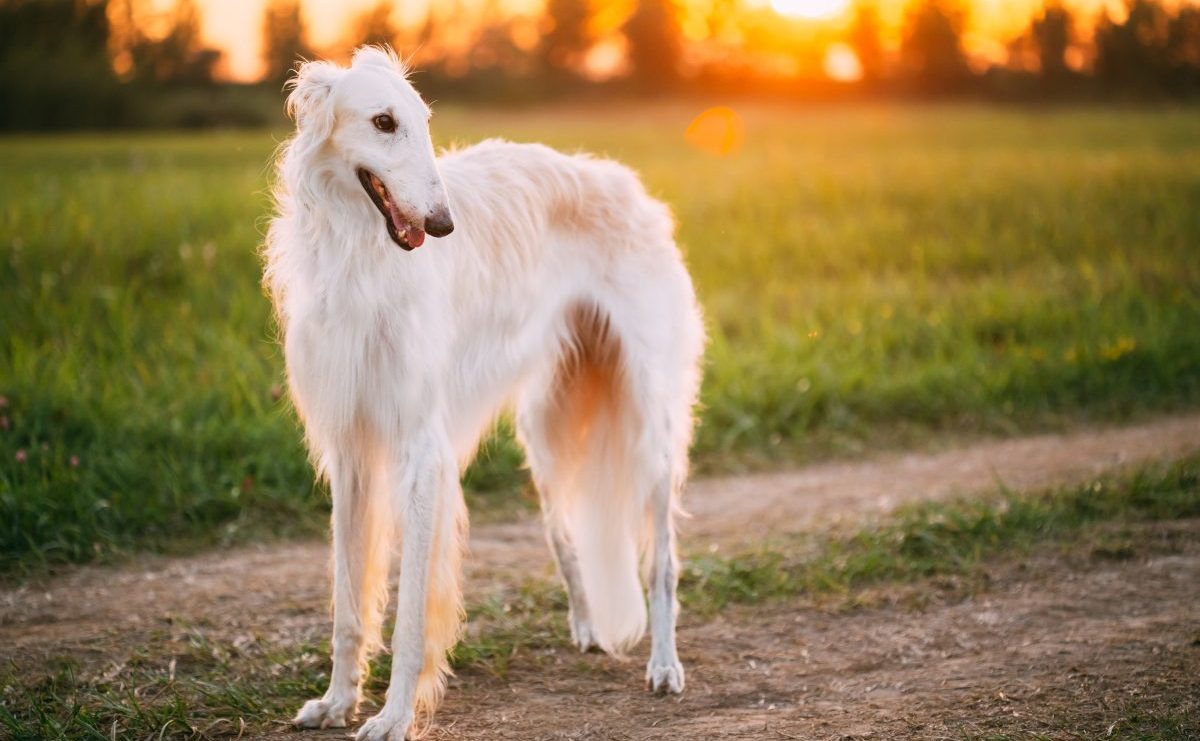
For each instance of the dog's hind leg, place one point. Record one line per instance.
(660, 331)
(361, 550)
(664, 672)
(545, 466)
(568, 568)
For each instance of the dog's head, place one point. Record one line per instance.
(369, 131)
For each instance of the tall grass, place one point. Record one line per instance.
(870, 276)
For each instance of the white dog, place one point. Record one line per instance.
(554, 285)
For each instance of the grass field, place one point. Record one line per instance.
(871, 276)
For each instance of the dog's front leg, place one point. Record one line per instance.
(353, 513)
(426, 475)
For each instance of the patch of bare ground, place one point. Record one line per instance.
(1065, 644)
(1062, 645)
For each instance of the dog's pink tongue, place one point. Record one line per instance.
(412, 235)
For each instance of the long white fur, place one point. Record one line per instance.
(560, 291)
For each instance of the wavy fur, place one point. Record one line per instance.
(560, 290)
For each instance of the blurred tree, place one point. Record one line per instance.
(655, 44)
(428, 32)
(931, 46)
(866, 41)
(179, 57)
(1132, 55)
(493, 50)
(374, 26)
(566, 37)
(123, 35)
(722, 19)
(1183, 48)
(54, 65)
(284, 39)
(1051, 34)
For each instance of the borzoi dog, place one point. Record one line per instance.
(554, 285)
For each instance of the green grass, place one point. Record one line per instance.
(207, 689)
(871, 276)
(939, 539)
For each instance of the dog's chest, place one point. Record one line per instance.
(346, 359)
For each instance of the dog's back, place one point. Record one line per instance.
(532, 189)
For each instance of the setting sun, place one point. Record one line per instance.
(810, 9)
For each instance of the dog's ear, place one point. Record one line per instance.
(379, 56)
(309, 102)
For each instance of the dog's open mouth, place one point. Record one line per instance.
(402, 232)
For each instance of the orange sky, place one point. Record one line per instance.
(234, 25)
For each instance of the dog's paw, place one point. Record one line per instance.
(664, 676)
(386, 726)
(582, 634)
(327, 712)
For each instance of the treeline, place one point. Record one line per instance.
(102, 63)
(1153, 52)
(86, 64)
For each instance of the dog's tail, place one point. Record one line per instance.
(606, 528)
(581, 433)
(586, 444)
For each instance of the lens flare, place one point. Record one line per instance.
(718, 131)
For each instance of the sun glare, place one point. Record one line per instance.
(718, 131)
(841, 64)
(813, 10)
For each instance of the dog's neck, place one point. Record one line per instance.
(340, 226)
(338, 252)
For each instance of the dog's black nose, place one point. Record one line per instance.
(438, 222)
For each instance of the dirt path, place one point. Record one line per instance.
(1062, 647)
(753, 673)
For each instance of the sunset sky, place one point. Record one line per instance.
(234, 26)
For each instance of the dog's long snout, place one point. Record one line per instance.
(438, 222)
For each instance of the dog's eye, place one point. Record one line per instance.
(384, 123)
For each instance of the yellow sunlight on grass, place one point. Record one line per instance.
(718, 131)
